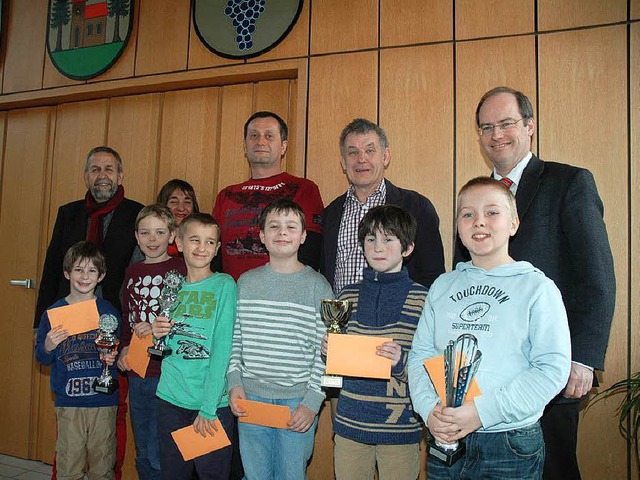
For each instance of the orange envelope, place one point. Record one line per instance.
(192, 444)
(138, 357)
(75, 318)
(435, 369)
(265, 414)
(355, 356)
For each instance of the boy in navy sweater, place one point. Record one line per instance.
(86, 420)
(374, 422)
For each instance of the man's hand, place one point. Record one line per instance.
(391, 350)
(123, 364)
(203, 426)
(234, 394)
(580, 381)
(301, 419)
(142, 329)
(161, 327)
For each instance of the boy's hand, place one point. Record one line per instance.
(161, 327)
(442, 431)
(325, 344)
(203, 426)
(109, 358)
(123, 364)
(142, 329)
(55, 337)
(301, 419)
(234, 395)
(390, 350)
(465, 418)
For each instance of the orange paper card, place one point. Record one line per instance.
(265, 414)
(138, 357)
(75, 318)
(192, 444)
(435, 368)
(355, 356)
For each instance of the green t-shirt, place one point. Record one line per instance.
(193, 376)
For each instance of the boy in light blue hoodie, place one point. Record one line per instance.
(519, 320)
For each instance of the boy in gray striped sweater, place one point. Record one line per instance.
(275, 356)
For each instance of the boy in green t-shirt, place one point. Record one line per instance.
(192, 388)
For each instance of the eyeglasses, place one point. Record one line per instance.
(486, 130)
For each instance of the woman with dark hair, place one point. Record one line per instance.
(180, 198)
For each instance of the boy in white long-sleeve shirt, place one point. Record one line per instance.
(519, 320)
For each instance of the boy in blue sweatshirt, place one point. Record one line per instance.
(374, 422)
(519, 320)
(86, 420)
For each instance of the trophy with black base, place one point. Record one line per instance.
(167, 300)
(335, 314)
(461, 361)
(106, 343)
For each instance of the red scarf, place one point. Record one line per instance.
(97, 211)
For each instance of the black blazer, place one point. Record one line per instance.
(70, 228)
(562, 232)
(426, 262)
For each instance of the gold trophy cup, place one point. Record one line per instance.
(335, 315)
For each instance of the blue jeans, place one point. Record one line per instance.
(496, 456)
(143, 407)
(211, 466)
(273, 453)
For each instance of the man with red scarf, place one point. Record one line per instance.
(107, 219)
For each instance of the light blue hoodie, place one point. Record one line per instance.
(518, 317)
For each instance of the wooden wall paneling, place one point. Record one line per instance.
(553, 14)
(492, 18)
(275, 97)
(342, 87)
(635, 197)
(79, 127)
(339, 26)
(26, 28)
(416, 111)
(295, 44)
(582, 118)
(163, 36)
(188, 140)
(635, 9)
(481, 66)
(415, 21)
(25, 151)
(236, 106)
(134, 123)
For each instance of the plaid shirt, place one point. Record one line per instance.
(350, 258)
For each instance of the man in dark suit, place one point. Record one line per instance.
(562, 232)
(365, 157)
(107, 219)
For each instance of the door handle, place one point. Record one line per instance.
(26, 283)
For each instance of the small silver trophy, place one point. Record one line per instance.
(461, 361)
(335, 314)
(106, 342)
(167, 300)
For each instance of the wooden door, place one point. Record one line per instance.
(25, 137)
